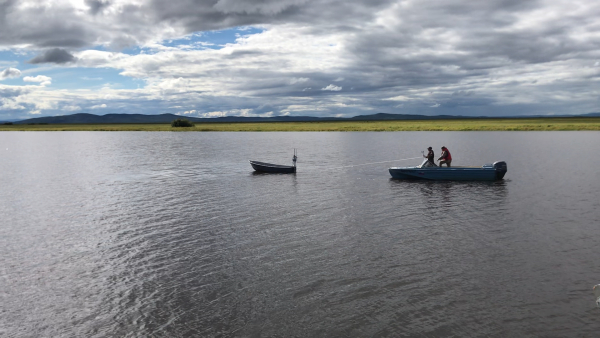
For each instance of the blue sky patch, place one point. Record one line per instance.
(212, 39)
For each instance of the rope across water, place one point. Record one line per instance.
(356, 165)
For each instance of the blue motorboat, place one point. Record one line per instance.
(429, 171)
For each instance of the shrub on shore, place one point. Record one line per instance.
(181, 123)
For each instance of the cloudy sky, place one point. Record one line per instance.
(299, 57)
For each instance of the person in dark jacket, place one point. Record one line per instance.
(446, 157)
(430, 156)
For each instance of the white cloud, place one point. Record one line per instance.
(45, 103)
(97, 58)
(9, 104)
(302, 108)
(295, 80)
(232, 112)
(41, 79)
(9, 73)
(332, 88)
(214, 114)
(242, 112)
(398, 98)
(99, 106)
(71, 108)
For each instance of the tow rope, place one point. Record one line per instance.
(356, 165)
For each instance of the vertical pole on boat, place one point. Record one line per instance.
(294, 159)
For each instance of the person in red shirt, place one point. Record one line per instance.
(446, 157)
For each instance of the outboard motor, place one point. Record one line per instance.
(501, 169)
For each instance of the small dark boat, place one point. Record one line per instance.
(275, 168)
(272, 168)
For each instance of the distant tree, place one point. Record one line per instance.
(8, 123)
(181, 123)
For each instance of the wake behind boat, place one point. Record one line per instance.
(426, 171)
(275, 168)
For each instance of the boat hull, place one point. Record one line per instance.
(491, 172)
(272, 168)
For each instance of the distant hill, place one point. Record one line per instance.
(83, 118)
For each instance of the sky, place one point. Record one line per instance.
(212, 58)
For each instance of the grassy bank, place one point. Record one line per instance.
(576, 123)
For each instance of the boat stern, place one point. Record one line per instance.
(501, 169)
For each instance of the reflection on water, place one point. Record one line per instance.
(173, 235)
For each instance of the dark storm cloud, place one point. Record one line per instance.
(60, 25)
(44, 25)
(480, 25)
(5, 7)
(55, 55)
(66, 42)
(445, 43)
(394, 47)
(200, 15)
(97, 5)
(534, 46)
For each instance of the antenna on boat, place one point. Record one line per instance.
(294, 158)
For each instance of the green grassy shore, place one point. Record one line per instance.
(516, 124)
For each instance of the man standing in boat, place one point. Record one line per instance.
(446, 157)
(430, 156)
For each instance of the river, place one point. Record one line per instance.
(152, 234)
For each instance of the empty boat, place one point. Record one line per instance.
(275, 168)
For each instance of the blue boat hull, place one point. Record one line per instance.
(489, 172)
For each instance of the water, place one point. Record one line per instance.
(131, 234)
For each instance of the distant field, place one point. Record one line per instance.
(576, 123)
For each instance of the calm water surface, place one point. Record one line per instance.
(132, 234)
